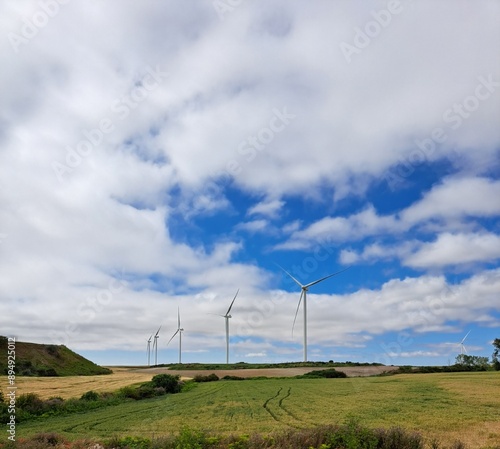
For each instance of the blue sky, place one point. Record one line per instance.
(164, 154)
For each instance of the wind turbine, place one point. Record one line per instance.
(462, 346)
(303, 294)
(226, 317)
(149, 349)
(178, 331)
(155, 345)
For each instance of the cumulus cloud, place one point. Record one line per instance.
(129, 156)
(454, 249)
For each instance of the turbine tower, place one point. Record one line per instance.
(179, 331)
(149, 349)
(303, 294)
(463, 350)
(226, 317)
(155, 345)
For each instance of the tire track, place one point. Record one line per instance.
(266, 407)
(291, 414)
(276, 416)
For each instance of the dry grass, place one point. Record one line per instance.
(75, 386)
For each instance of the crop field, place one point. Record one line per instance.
(75, 386)
(452, 406)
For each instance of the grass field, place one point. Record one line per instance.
(463, 406)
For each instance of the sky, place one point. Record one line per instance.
(159, 156)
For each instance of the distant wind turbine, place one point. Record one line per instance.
(178, 331)
(463, 350)
(303, 294)
(226, 317)
(149, 349)
(155, 345)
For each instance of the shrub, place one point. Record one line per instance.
(148, 391)
(129, 443)
(49, 439)
(128, 392)
(233, 378)
(210, 378)
(329, 373)
(90, 396)
(54, 403)
(31, 403)
(167, 381)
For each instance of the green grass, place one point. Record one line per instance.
(446, 406)
(54, 360)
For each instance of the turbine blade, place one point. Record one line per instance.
(297, 311)
(216, 314)
(296, 281)
(229, 310)
(326, 277)
(463, 339)
(172, 337)
(157, 332)
(178, 318)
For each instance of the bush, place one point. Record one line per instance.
(129, 443)
(49, 439)
(233, 378)
(31, 404)
(210, 378)
(324, 373)
(129, 392)
(90, 396)
(167, 381)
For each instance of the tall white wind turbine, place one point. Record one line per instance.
(179, 331)
(149, 349)
(303, 294)
(155, 345)
(463, 350)
(226, 318)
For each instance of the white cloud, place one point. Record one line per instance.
(337, 229)
(455, 249)
(455, 198)
(254, 226)
(107, 215)
(268, 208)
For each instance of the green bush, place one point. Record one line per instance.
(31, 404)
(233, 378)
(210, 378)
(129, 443)
(329, 373)
(90, 396)
(167, 381)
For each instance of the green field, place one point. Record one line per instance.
(463, 406)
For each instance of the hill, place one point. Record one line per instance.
(34, 359)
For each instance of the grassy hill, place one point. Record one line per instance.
(34, 359)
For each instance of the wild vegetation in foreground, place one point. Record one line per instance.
(442, 406)
(351, 435)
